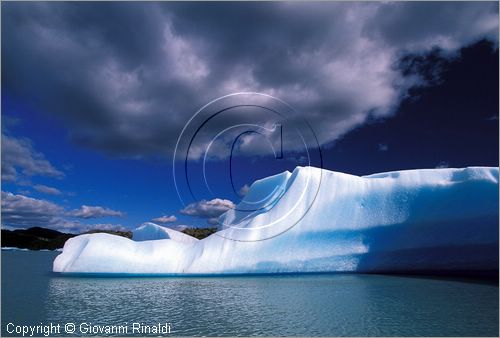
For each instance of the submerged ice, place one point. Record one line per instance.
(429, 220)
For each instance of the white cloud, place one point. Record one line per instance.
(442, 164)
(21, 212)
(383, 147)
(21, 160)
(165, 219)
(47, 190)
(244, 190)
(86, 211)
(208, 209)
(213, 221)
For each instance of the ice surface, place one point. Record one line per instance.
(151, 231)
(432, 220)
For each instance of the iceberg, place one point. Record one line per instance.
(150, 231)
(316, 220)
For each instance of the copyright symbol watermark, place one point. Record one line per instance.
(228, 142)
(70, 328)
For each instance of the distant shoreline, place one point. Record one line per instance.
(38, 238)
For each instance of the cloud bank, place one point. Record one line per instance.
(21, 212)
(47, 190)
(21, 161)
(210, 210)
(165, 219)
(125, 77)
(86, 211)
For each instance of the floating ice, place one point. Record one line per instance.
(429, 220)
(150, 231)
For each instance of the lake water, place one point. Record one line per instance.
(313, 305)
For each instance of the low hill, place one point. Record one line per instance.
(38, 238)
(199, 233)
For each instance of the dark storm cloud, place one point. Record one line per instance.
(416, 25)
(125, 77)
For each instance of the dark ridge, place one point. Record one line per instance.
(199, 233)
(37, 238)
(39, 232)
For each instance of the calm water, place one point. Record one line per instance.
(333, 305)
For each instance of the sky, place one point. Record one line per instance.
(96, 95)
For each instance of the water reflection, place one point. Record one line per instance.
(280, 305)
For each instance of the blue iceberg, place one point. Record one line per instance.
(315, 220)
(150, 231)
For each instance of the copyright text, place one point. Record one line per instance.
(87, 329)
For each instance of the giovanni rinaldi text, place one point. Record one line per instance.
(87, 328)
